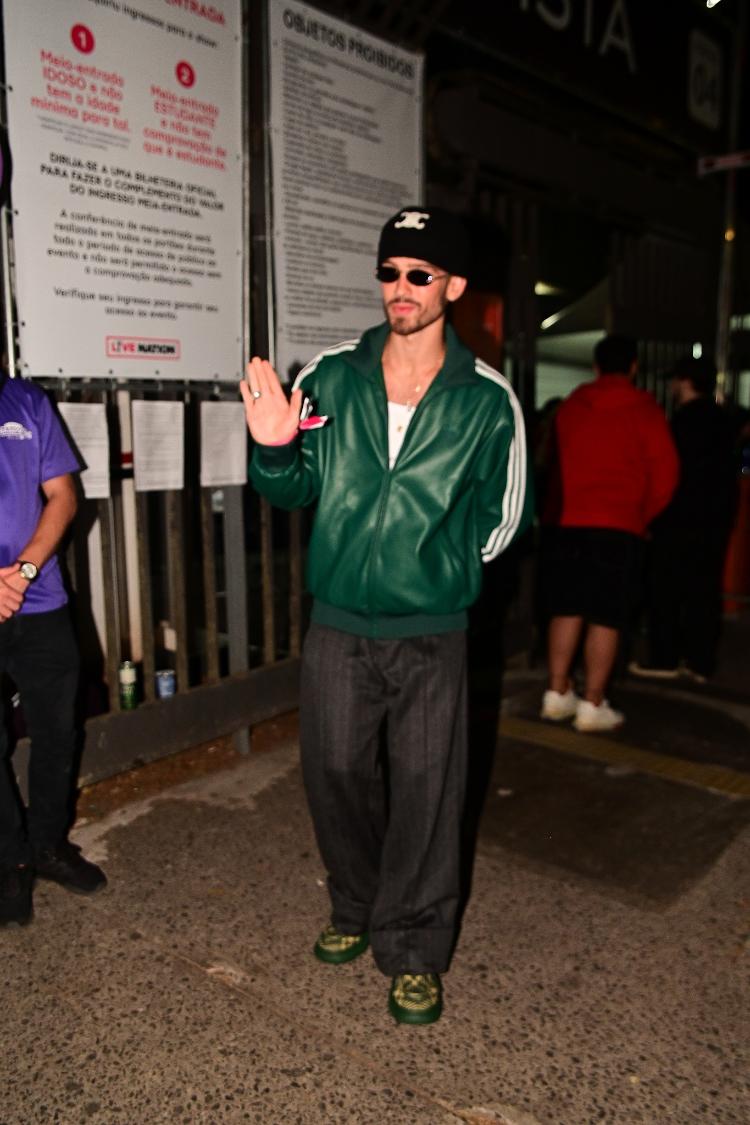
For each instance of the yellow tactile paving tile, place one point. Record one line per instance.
(703, 775)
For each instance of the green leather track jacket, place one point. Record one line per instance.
(398, 552)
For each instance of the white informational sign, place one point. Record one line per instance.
(346, 153)
(223, 444)
(124, 121)
(87, 423)
(158, 445)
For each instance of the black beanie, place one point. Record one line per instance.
(429, 234)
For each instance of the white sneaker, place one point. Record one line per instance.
(696, 677)
(647, 673)
(590, 717)
(557, 705)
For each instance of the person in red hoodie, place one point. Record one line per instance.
(616, 469)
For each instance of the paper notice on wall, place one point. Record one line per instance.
(223, 444)
(87, 425)
(125, 128)
(346, 148)
(158, 445)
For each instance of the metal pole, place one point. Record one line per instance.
(208, 553)
(246, 249)
(270, 303)
(728, 255)
(6, 278)
(105, 512)
(146, 600)
(10, 337)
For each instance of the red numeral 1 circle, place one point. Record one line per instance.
(82, 39)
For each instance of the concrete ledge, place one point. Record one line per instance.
(120, 740)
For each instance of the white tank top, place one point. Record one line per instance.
(399, 417)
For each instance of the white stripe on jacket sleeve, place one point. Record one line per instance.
(337, 349)
(515, 481)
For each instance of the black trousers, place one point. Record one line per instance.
(684, 597)
(388, 825)
(39, 652)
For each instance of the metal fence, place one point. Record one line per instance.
(205, 582)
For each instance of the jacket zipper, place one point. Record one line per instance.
(382, 501)
(387, 479)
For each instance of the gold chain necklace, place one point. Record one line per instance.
(414, 395)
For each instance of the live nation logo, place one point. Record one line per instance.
(141, 347)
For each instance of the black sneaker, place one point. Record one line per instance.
(65, 865)
(15, 895)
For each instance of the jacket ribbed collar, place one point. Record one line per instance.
(458, 366)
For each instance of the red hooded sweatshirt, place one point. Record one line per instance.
(617, 465)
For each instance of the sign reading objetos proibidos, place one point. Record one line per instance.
(124, 119)
(346, 152)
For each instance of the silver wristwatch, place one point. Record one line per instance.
(29, 570)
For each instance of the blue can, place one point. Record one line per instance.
(165, 683)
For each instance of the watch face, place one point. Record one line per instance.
(29, 571)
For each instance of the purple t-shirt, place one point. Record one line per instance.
(33, 449)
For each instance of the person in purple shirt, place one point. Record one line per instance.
(37, 650)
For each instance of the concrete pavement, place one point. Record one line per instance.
(601, 975)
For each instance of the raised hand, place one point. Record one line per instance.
(272, 418)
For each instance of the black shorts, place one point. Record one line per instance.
(590, 572)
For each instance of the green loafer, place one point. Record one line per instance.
(335, 948)
(416, 998)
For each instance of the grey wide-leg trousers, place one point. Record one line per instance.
(388, 833)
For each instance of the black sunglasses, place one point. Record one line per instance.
(388, 274)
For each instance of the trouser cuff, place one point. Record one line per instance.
(412, 950)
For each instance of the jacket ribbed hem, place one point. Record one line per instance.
(385, 627)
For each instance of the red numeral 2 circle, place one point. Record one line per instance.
(185, 74)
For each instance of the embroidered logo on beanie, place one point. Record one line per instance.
(412, 220)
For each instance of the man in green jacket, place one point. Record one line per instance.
(416, 460)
